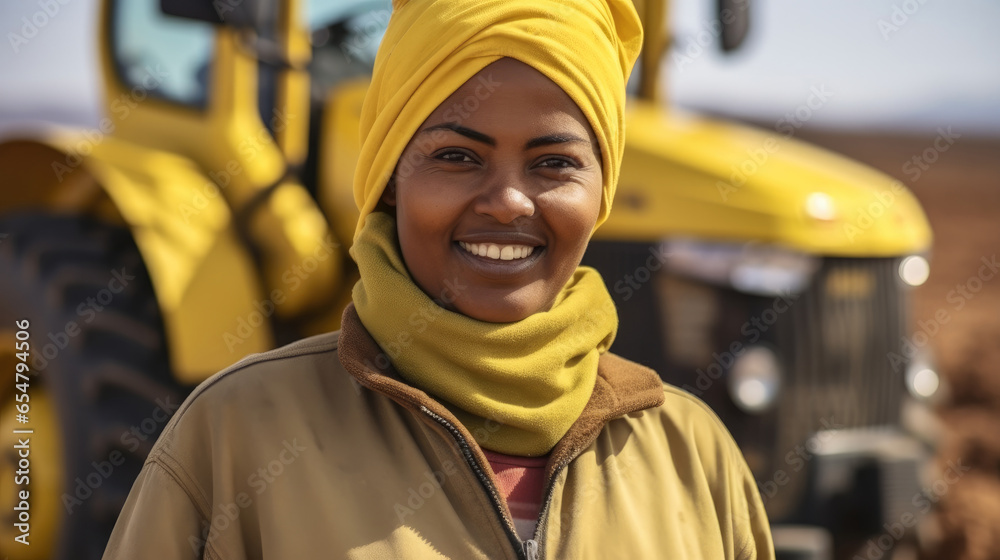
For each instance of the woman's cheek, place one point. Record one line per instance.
(431, 202)
(571, 208)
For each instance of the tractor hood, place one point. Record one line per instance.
(692, 176)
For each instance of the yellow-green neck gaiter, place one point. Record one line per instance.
(517, 387)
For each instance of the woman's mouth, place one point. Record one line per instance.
(497, 252)
(500, 261)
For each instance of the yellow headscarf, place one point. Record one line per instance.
(432, 47)
(517, 387)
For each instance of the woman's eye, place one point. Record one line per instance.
(557, 163)
(455, 157)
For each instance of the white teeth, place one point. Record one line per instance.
(498, 252)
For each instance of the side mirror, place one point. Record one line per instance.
(234, 13)
(734, 15)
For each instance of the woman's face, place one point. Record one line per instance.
(497, 193)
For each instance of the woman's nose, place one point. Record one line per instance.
(506, 198)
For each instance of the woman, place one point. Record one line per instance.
(468, 408)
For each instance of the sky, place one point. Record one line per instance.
(911, 65)
(893, 64)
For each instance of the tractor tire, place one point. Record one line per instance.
(98, 354)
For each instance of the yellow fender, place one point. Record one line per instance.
(687, 175)
(181, 224)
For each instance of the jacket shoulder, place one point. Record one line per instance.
(633, 381)
(688, 423)
(261, 388)
(293, 357)
(667, 414)
(683, 407)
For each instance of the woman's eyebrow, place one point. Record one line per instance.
(546, 140)
(467, 132)
(553, 139)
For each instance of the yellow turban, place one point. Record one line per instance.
(432, 47)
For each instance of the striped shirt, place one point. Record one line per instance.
(520, 481)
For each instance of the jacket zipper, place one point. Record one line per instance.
(531, 549)
(526, 550)
(543, 515)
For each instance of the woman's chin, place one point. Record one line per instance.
(502, 309)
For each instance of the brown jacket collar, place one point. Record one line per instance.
(622, 387)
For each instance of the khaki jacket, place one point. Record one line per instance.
(310, 451)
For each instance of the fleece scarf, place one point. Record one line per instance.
(517, 387)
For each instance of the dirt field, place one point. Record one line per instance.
(961, 194)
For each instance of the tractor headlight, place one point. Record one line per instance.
(750, 268)
(922, 380)
(755, 379)
(914, 270)
(820, 206)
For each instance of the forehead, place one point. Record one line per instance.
(509, 95)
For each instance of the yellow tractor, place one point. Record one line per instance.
(208, 216)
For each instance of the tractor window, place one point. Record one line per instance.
(160, 55)
(345, 38)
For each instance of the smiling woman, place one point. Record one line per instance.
(504, 202)
(469, 407)
(491, 217)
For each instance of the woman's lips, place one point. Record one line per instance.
(496, 266)
(497, 252)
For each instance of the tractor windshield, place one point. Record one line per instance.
(345, 38)
(160, 55)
